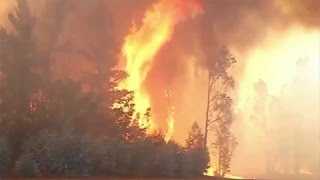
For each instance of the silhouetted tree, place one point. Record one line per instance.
(185, 164)
(273, 136)
(198, 152)
(259, 118)
(224, 142)
(168, 159)
(260, 105)
(291, 123)
(19, 79)
(219, 81)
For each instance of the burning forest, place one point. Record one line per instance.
(160, 89)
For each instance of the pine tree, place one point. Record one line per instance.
(198, 152)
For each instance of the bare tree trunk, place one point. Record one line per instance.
(207, 113)
(219, 161)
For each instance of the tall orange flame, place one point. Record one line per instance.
(170, 117)
(142, 45)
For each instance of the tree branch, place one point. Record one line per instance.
(212, 83)
(212, 128)
(219, 92)
(217, 119)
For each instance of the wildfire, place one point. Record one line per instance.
(211, 172)
(170, 127)
(170, 116)
(274, 61)
(270, 60)
(142, 45)
(305, 172)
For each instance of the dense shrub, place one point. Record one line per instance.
(62, 155)
(168, 155)
(26, 166)
(98, 158)
(4, 157)
(185, 164)
(67, 155)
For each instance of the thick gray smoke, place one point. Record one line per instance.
(243, 23)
